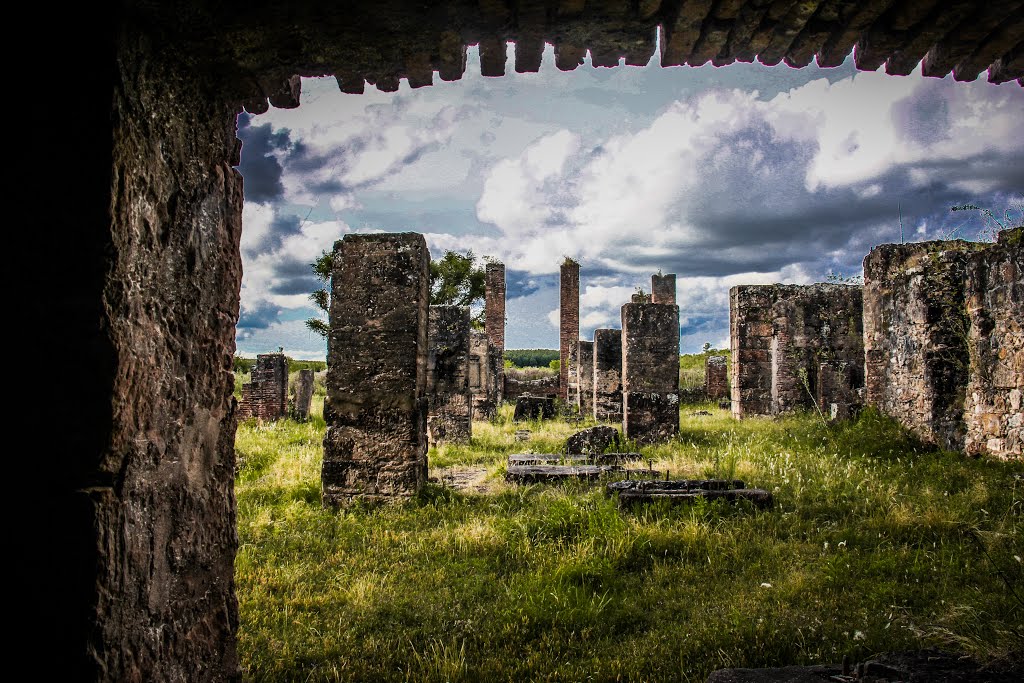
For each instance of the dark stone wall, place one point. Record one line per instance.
(585, 376)
(796, 347)
(663, 289)
(995, 306)
(568, 330)
(916, 336)
(650, 372)
(716, 377)
(608, 375)
(265, 396)
(303, 395)
(375, 447)
(450, 416)
(514, 388)
(484, 378)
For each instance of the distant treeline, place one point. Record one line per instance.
(244, 365)
(531, 358)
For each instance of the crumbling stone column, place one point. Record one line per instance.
(265, 396)
(568, 330)
(916, 336)
(375, 447)
(303, 395)
(608, 375)
(650, 371)
(483, 380)
(494, 325)
(663, 289)
(796, 347)
(995, 305)
(450, 416)
(585, 376)
(716, 377)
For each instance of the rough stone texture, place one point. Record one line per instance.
(449, 400)
(716, 377)
(545, 386)
(759, 498)
(303, 395)
(568, 329)
(663, 289)
(534, 408)
(375, 447)
(994, 409)
(794, 346)
(494, 325)
(585, 376)
(484, 378)
(536, 474)
(265, 396)
(650, 372)
(608, 375)
(593, 440)
(916, 336)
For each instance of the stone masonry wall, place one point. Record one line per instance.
(608, 375)
(663, 289)
(494, 325)
(303, 394)
(568, 329)
(545, 386)
(916, 336)
(375, 446)
(265, 396)
(585, 376)
(995, 305)
(650, 371)
(716, 377)
(483, 379)
(450, 416)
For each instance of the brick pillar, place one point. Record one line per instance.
(483, 380)
(494, 321)
(750, 345)
(650, 371)
(450, 416)
(608, 375)
(663, 289)
(375, 447)
(303, 395)
(265, 396)
(585, 376)
(716, 378)
(568, 329)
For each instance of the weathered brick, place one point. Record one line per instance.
(450, 407)
(608, 375)
(650, 371)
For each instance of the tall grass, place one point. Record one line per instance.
(875, 543)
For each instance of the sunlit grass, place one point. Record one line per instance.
(874, 544)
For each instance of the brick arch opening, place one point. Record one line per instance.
(150, 235)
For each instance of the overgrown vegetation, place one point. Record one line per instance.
(875, 543)
(531, 358)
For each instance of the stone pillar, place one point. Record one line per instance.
(494, 324)
(375, 447)
(750, 343)
(663, 289)
(303, 395)
(265, 396)
(568, 329)
(916, 336)
(716, 378)
(608, 375)
(585, 376)
(450, 416)
(995, 389)
(483, 380)
(650, 371)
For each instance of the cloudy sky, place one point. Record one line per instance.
(741, 174)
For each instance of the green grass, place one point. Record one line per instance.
(874, 544)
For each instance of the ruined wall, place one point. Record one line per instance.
(265, 396)
(303, 395)
(450, 406)
(796, 346)
(716, 377)
(568, 330)
(494, 325)
(546, 386)
(650, 371)
(916, 336)
(608, 375)
(375, 446)
(995, 305)
(663, 289)
(585, 376)
(484, 381)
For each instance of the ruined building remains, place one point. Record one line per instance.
(663, 289)
(568, 330)
(608, 375)
(943, 341)
(494, 325)
(376, 406)
(796, 346)
(585, 376)
(650, 371)
(449, 401)
(303, 395)
(265, 396)
(543, 386)
(484, 377)
(716, 378)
